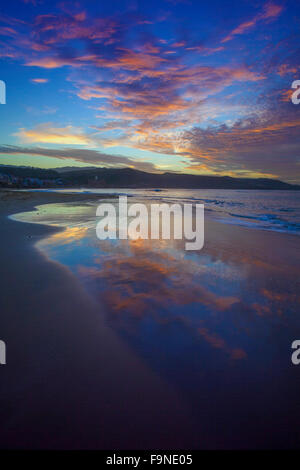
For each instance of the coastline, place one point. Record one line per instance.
(69, 382)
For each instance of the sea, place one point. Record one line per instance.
(266, 210)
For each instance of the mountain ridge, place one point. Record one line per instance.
(101, 177)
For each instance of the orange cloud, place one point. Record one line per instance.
(285, 69)
(51, 62)
(39, 80)
(270, 11)
(46, 133)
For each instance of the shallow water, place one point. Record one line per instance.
(216, 324)
(267, 210)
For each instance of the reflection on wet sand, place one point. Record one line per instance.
(140, 281)
(159, 282)
(69, 235)
(212, 323)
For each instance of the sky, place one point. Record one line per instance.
(200, 87)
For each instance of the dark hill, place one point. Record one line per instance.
(127, 177)
(130, 178)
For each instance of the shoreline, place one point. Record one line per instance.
(270, 222)
(265, 244)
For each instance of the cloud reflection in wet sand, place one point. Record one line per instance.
(157, 281)
(212, 323)
(140, 280)
(215, 295)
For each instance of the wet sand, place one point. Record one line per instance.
(69, 382)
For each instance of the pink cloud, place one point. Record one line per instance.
(270, 11)
(39, 80)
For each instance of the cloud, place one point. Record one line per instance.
(112, 125)
(52, 62)
(270, 12)
(51, 29)
(94, 157)
(47, 133)
(172, 99)
(166, 94)
(6, 31)
(257, 146)
(39, 80)
(285, 69)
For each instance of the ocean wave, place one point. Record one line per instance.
(265, 222)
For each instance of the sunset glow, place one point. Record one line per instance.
(166, 86)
